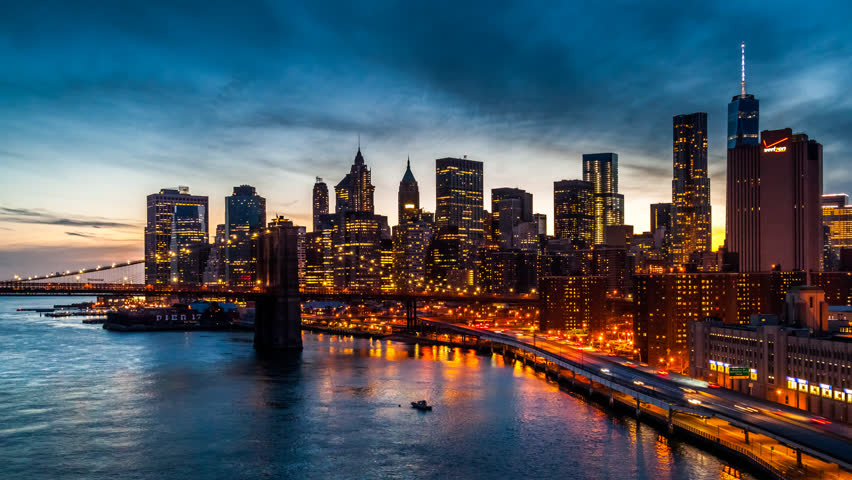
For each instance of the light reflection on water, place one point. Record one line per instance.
(80, 402)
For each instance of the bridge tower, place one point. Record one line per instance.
(278, 317)
(410, 313)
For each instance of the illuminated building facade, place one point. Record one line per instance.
(459, 197)
(785, 364)
(836, 285)
(245, 215)
(507, 272)
(320, 203)
(601, 170)
(690, 188)
(837, 220)
(574, 207)
(408, 198)
(319, 260)
(666, 304)
(774, 203)
(411, 242)
(176, 237)
(357, 231)
(572, 303)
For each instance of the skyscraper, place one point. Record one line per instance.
(523, 209)
(320, 203)
(775, 216)
(459, 197)
(408, 198)
(690, 187)
(574, 208)
(355, 192)
(175, 234)
(601, 170)
(245, 214)
(743, 114)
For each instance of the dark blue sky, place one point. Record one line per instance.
(102, 103)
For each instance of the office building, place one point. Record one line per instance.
(176, 235)
(320, 203)
(774, 203)
(459, 197)
(743, 114)
(245, 215)
(411, 242)
(574, 211)
(408, 198)
(319, 260)
(601, 170)
(522, 207)
(357, 231)
(540, 220)
(837, 222)
(214, 271)
(690, 188)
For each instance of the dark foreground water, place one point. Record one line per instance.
(77, 401)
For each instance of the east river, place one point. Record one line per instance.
(79, 402)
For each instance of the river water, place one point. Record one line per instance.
(79, 402)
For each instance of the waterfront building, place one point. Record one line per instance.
(176, 237)
(574, 211)
(787, 359)
(665, 305)
(408, 198)
(601, 170)
(245, 215)
(459, 197)
(444, 259)
(572, 303)
(773, 203)
(320, 203)
(690, 188)
(743, 114)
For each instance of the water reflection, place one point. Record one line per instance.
(86, 403)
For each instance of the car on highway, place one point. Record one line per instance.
(638, 382)
(713, 385)
(694, 401)
(687, 389)
(662, 372)
(820, 420)
(611, 354)
(605, 370)
(746, 408)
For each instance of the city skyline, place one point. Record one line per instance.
(138, 127)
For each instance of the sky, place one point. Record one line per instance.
(103, 103)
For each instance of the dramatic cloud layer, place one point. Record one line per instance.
(103, 103)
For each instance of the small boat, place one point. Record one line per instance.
(421, 405)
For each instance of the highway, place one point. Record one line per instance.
(834, 440)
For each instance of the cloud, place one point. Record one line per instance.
(41, 217)
(78, 234)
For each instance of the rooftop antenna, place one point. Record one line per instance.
(359, 135)
(742, 47)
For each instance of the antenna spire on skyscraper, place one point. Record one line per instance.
(742, 49)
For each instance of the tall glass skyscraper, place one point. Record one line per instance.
(574, 211)
(320, 203)
(175, 236)
(690, 187)
(245, 214)
(601, 170)
(743, 115)
(458, 197)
